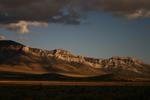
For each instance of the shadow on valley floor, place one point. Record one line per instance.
(56, 77)
(73, 93)
(51, 77)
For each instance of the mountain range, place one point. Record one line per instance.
(18, 60)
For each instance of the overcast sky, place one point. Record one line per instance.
(95, 28)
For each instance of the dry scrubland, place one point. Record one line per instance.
(74, 93)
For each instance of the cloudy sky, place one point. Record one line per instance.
(95, 28)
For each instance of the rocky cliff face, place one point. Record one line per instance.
(10, 48)
(64, 62)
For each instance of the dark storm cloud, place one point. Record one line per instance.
(68, 11)
(126, 8)
(37, 10)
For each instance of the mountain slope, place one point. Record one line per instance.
(18, 58)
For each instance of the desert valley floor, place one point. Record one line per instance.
(57, 90)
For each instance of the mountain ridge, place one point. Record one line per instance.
(20, 58)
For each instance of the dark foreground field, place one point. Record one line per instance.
(47, 92)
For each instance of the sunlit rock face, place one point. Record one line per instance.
(120, 61)
(26, 49)
(113, 62)
(68, 57)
